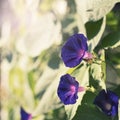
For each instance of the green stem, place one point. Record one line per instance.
(103, 65)
(71, 70)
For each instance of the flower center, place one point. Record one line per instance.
(88, 55)
(81, 53)
(30, 117)
(108, 106)
(72, 89)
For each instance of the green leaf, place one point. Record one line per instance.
(113, 68)
(93, 28)
(115, 53)
(93, 10)
(16, 80)
(112, 21)
(111, 40)
(31, 80)
(89, 112)
(113, 78)
(117, 90)
(95, 36)
(98, 71)
(97, 74)
(88, 97)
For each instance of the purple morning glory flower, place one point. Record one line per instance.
(75, 50)
(108, 102)
(68, 89)
(25, 115)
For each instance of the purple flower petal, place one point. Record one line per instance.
(25, 115)
(74, 49)
(68, 89)
(108, 102)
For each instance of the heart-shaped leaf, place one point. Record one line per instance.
(112, 40)
(93, 10)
